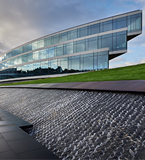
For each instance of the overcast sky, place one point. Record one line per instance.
(25, 20)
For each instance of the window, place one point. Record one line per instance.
(50, 52)
(47, 42)
(114, 42)
(56, 39)
(107, 26)
(24, 49)
(34, 45)
(73, 34)
(29, 69)
(44, 67)
(94, 29)
(88, 62)
(42, 54)
(37, 68)
(24, 58)
(68, 48)
(41, 43)
(53, 66)
(19, 60)
(92, 43)
(134, 23)
(96, 61)
(59, 50)
(64, 65)
(36, 55)
(29, 47)
(107, 41)
(63, 37)
(102, 60)
(83, 31)
(121, 40)
(80, 46)
(121, 23)
(29, 57)
(75, 63)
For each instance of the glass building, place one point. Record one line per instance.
(82, 48)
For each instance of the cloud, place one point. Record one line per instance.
(25, 20)
(116, 60)
(142, 61)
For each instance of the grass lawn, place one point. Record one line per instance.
(136, 72)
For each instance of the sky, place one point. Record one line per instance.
(24, 20)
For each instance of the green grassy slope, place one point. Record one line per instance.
(136, 72)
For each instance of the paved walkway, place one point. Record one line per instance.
(117, 86)
(16, 143)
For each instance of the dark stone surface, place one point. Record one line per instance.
(24, 145)
(15, 135)
(16, 143)
(8, 128)
(4, 145)
(38, 154)
(8, 155)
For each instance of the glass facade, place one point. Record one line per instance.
(80, 63)
(65, 51)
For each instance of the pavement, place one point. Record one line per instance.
(135, 86)
(15, 143)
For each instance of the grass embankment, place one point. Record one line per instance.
(136, 72)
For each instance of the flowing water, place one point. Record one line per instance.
(82, 125)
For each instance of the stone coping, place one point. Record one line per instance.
(137, 86)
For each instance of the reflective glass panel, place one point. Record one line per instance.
(36, 55)
(56, 39)
(53, 66)
(41, 43)
(92, 43)
(94, 29)
(80, 46)
(121, 23)
(47, 42)
(68, 48)
(96, 61)
(75, 63)
(121, 40)
(59, 50)
(29, 69)
(30, 57)
(83, 31)
(24, 58)
(37, 68)
(74, 34)
(44, 67)
(51, 52)
(107, 41)
(64, 65)
(107, 26)
(42, 54)
(88, 62)
(29, 47)
(64, 37)
(102, 60)
(34, 45)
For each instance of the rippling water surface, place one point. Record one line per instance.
(82, 125)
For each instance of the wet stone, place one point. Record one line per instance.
(81, 124)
